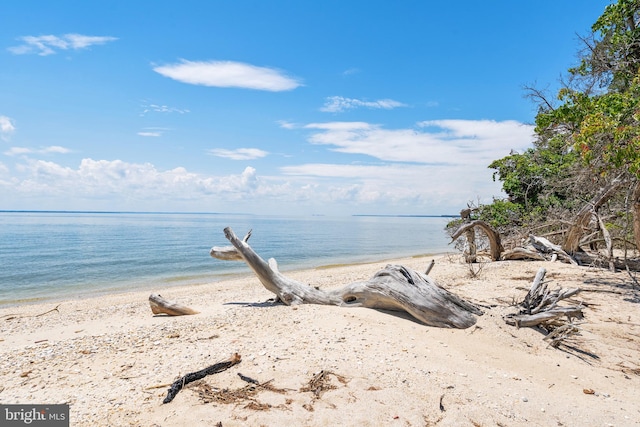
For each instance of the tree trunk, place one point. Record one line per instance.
(395, 288)
(581, 221)
(494, 237)
(636, 215)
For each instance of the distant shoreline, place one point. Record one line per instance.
(214, 213)
(408, 216)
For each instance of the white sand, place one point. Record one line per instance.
(103, 356)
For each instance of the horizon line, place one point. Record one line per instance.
(209, 213)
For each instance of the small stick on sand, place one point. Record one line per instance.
(47, 312)
(194, 376)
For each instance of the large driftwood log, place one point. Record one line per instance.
(395, 288)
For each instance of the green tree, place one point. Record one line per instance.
(592, 138)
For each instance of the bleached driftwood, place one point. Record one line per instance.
(540, 305)
(495, 242)
(522, 254)
(584, 217)
(395, 288)
(160, 305)
(546, 247)
(228, 253)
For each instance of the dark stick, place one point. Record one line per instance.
(194, 376)
(248, 379)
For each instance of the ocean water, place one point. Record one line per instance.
(49, 255)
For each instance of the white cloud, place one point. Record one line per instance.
(286, 125)
(228, 74)
(16, 151)
(50, 44)
(421, 188)
(54, 149)
(118, 180)
(79, 41)
(350, 71)
(6, 127)
(156, 108)
(239, 153)
(441, 163)
(153, 132)
(436, 167)
(434, 142)
(338, 104)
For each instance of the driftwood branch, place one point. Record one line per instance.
(522, 254)
(395, 288)
(596, 260)
(636, 214)
(540, 306)
(608, 242)
(429, 267)
(493, 236)
(541, 249)
(582, 219)
(561, 333)
(160, 305)
(194, 376)
(228, 253)
(545, 246)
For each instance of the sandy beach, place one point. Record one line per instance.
(112, 360)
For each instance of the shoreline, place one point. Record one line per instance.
(111, 360)
(166, 282)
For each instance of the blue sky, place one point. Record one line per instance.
(272, 107)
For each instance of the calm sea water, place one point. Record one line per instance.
(46, 256)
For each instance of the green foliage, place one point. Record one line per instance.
(590, 138)
(534, 180)
(609, 135)
(501, 213)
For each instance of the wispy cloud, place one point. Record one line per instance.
(109, 179)
(350, 71)
(228, 74)
(445, 161)
(284, 124)
(50, 44)
(439, 141)
(6, 127)
(54, 149)
(157, 108)
(153, 131)
(338, 104)
(239, 153)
